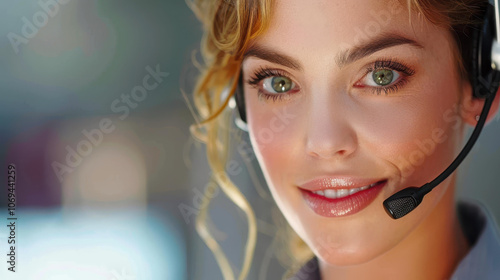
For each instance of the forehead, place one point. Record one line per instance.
(319, 30)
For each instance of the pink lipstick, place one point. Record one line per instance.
(340, 196)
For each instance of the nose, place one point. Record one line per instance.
(330, 132)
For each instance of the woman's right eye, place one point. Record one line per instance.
(273, 84)
(277, 85)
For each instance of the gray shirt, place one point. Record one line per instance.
(481, 262)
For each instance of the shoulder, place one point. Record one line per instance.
(482, 231)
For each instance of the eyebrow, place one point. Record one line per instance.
(346, 57)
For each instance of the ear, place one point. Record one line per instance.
(472, 106)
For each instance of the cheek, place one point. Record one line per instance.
(418, 136)
(272, 136)
(275, 137)
(272, 131)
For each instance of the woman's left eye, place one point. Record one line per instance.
(382, 77)
(386, 75)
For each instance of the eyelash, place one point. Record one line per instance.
(264, 73)
(390, 64)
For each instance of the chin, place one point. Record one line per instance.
(356, 240)
(347, 256)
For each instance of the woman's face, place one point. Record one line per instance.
(352, 95)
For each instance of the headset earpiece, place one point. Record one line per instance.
(240, 99)
(483, 77)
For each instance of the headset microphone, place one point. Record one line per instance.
(404, 201)
(485, 79)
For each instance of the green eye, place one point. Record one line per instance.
(382, 77)
(281, 84)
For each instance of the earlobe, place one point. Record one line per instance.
(471, 106)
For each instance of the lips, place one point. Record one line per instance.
(340, 196)
(339, 193)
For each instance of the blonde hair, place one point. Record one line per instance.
(229, 27)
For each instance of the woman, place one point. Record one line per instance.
(347, 103)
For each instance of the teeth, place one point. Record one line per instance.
(330, 193)
(342, 193)
(339, 193)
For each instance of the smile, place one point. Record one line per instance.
(339, 193)
(336, 198)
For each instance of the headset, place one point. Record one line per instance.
(485, 80)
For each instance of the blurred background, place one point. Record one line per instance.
(108, 177)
